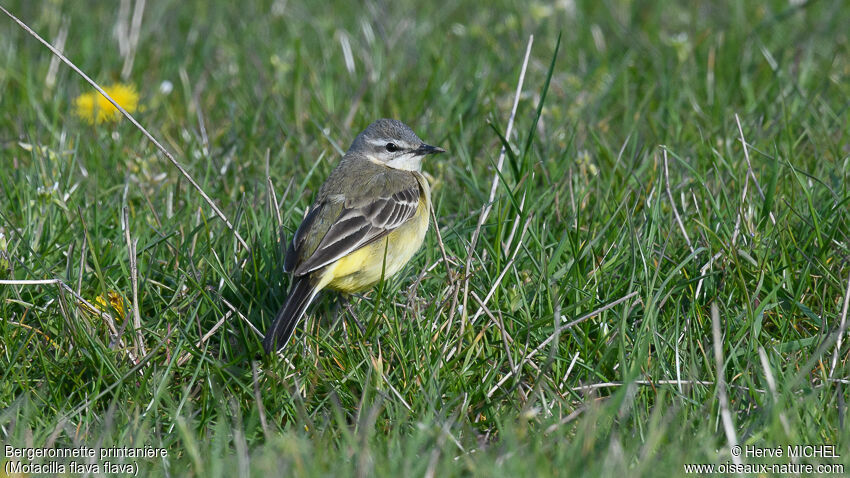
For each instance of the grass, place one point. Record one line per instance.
(732, 117)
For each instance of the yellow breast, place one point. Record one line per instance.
(364, 267)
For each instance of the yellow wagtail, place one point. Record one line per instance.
(368, 220)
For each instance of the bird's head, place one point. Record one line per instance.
(394, 144)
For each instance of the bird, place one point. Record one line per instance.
(367, 221)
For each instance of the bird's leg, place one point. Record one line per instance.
(354, 316)
(336, 317)
(342, 300)
(361, 297)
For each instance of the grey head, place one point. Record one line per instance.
(392, 143)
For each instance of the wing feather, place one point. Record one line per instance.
(291, 257)
(361, 224)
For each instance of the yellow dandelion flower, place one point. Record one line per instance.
(95, 108)
(112, 300)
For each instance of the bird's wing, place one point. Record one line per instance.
(348, 224)
(299, 240)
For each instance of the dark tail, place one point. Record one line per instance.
(300, 295)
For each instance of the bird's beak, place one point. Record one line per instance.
(424, 149)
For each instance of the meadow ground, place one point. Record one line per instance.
(663, 273)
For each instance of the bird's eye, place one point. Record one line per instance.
(391, 147)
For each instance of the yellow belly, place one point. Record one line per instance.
(364, 267)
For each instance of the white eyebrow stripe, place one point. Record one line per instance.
(383, 142)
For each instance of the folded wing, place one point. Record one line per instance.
(356, 224)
